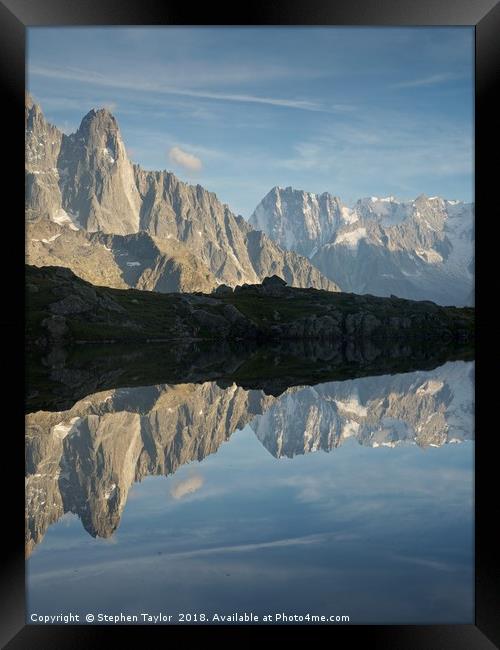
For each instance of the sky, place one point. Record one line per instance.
(352, 111)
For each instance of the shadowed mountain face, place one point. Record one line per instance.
(84, 460)
(114, 224)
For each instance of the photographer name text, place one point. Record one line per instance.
(181, 617)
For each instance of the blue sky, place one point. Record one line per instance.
(352, 111)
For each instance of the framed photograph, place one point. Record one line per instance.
(250, 277)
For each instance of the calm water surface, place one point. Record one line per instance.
(345, 498)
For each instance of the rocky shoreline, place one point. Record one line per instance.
(60, 376)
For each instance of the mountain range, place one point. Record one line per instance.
(421, 249)
(89, 208)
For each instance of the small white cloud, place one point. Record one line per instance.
(110, 106)
(184, 159)
(188, 486)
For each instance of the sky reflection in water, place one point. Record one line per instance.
(383, 534)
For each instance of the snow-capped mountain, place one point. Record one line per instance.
(421, 249)
(426, 408)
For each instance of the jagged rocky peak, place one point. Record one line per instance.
(43, 140)
(33, 112)
(84, 183)
(97, 121)
(99, 184)
(297, 220)
(164, 196)
(100, 135)
(35, 123)
(42, 151)
(29, 102)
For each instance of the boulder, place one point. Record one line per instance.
(222, 290)
(273, 281)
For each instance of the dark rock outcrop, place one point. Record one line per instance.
(257, 311)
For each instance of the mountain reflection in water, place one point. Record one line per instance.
(247, 527)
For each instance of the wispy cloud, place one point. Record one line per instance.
(407, 147)
(432, 80)
(293, 107)
(427, 563)
(139, 84)
(149, 559)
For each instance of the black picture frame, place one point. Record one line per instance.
(15, 17)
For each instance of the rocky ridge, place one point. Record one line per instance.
(89, 208)
(63, 309)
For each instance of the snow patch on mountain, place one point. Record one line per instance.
(351, 237)
(63, 218)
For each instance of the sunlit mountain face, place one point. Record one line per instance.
(421, 249)
(200, 488)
